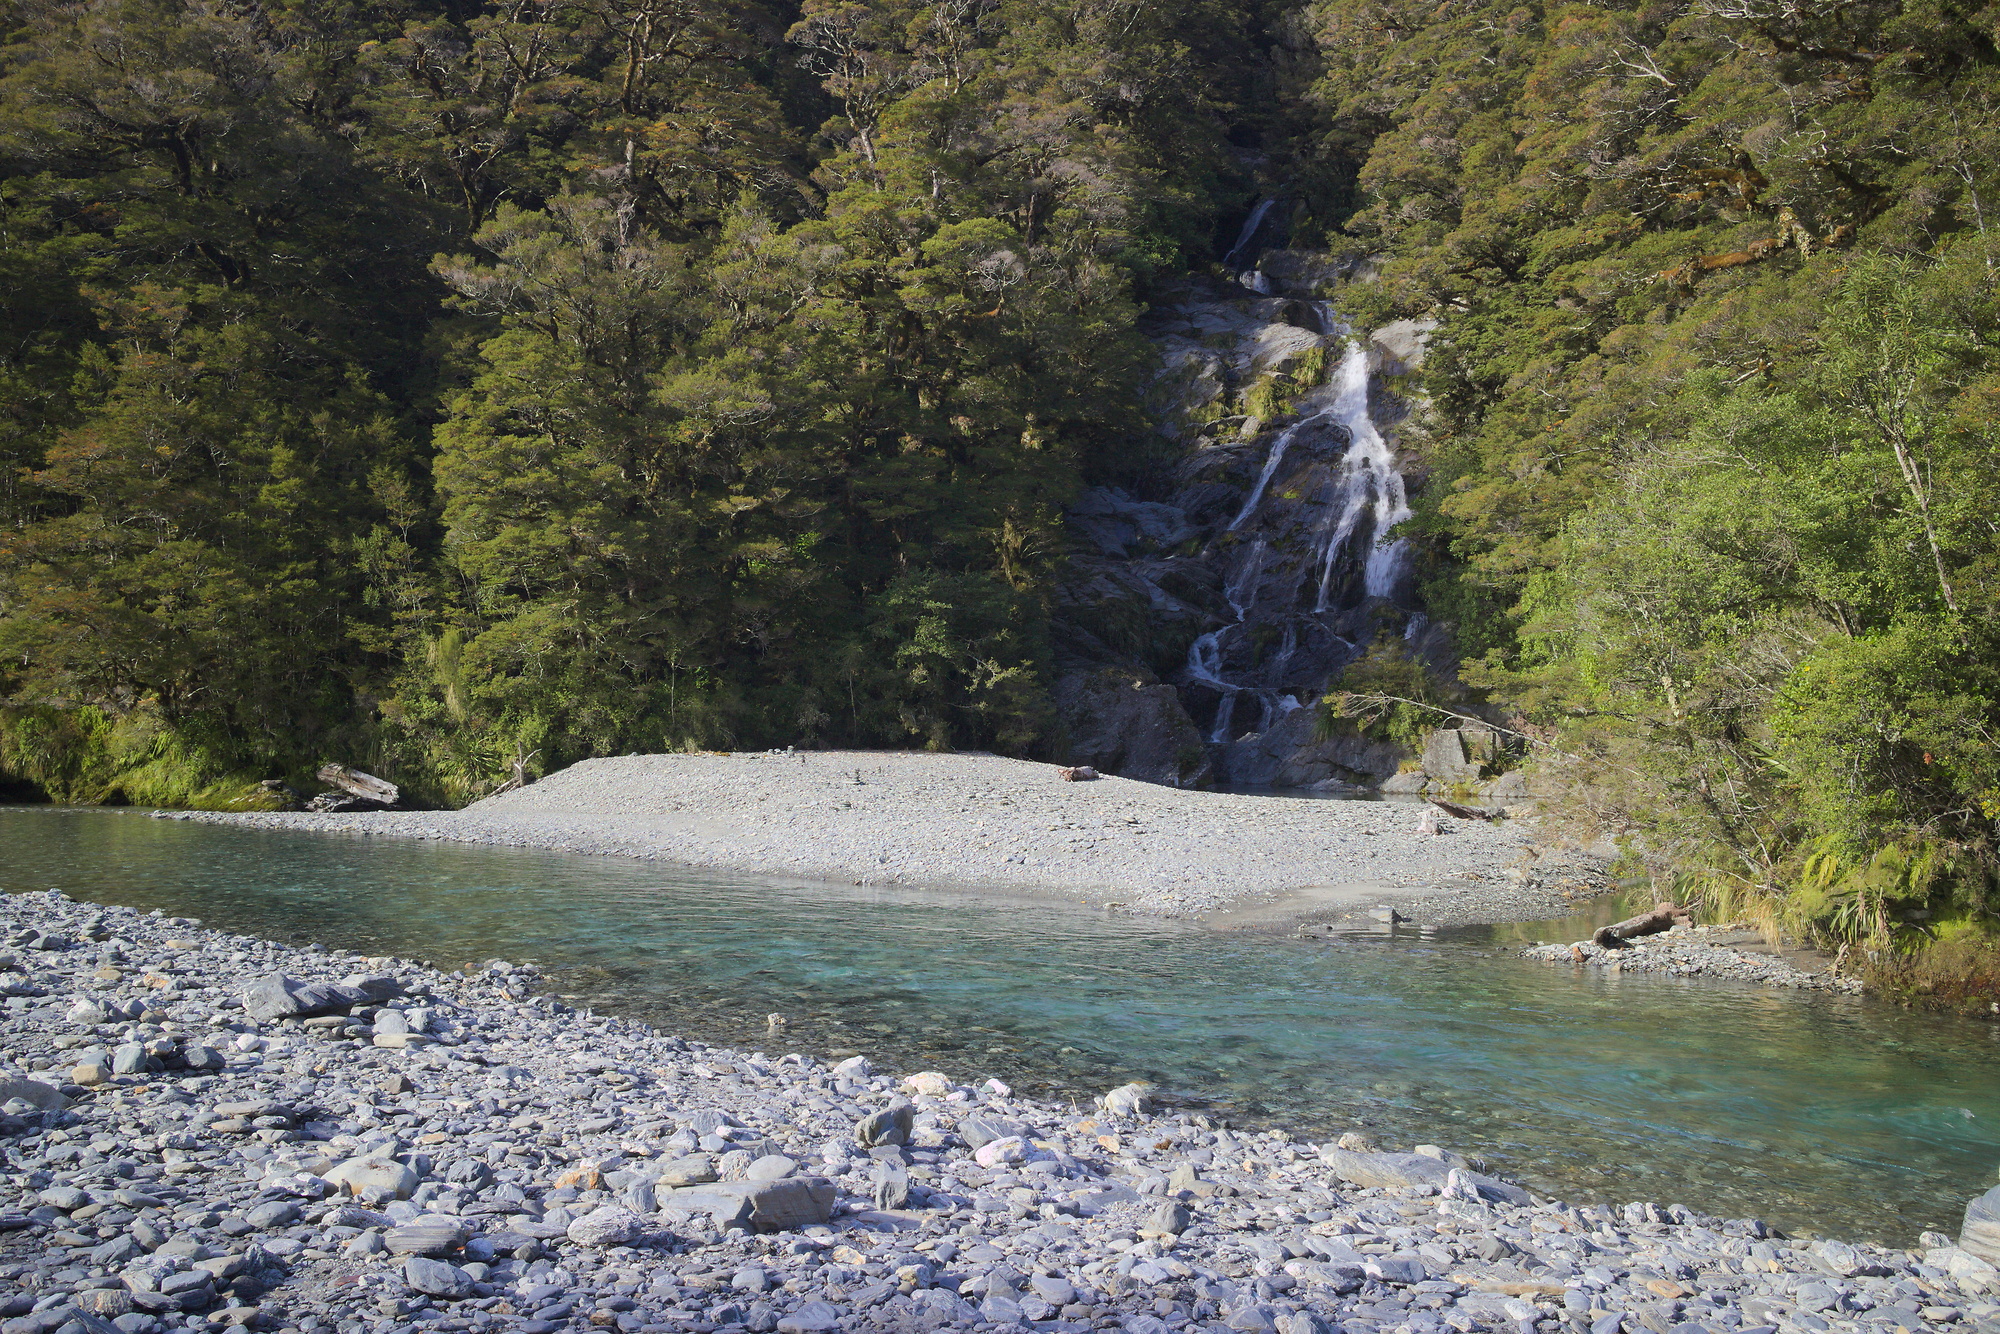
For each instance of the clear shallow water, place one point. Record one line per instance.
(1833, 1114)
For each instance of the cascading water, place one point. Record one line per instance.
(1370, 486)
(1275, 457)
(1251, 226)
(1205, 654)
(1299, 591)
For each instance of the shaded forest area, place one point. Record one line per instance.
(437, 384)
(432, 384)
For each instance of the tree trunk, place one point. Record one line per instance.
(1662, 917)
(355, 783)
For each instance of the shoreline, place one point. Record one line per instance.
(981, 823)
(512, 1164)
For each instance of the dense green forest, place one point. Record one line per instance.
(1715, 417)
(436, 383)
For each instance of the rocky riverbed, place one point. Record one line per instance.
(204, 1130)
(984, 822)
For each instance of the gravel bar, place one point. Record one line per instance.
(1693, 951)
(205, 1131)
(982, 822)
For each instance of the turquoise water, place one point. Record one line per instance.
(1812, 1112)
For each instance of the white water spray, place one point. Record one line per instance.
(1369, 485)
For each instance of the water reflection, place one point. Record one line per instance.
(1811, 1111)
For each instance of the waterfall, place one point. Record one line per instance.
(1251, 225)
(1205, 654)
(1271, 462)
(1290, 619)
(1370, 486)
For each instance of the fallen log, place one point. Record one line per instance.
(1661, 917)
(357, 784)
(1452, 808)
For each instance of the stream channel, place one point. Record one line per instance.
(1836, 1115)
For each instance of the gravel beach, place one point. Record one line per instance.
(1696, 951)
(205, 1130)
(982, 822)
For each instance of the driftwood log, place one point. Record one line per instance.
(357, 784)
(1457, 811)
(1660, 917)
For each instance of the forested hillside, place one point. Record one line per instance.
(436, 383)
(1716, 414)
(433, 384)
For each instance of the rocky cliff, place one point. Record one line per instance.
(1200, 625)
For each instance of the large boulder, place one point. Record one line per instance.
(376, 1175)
(1125, 722)
(42, 1097)
(1407, 1170)
(1287, 754)
(759, 1206)
(1980, 1234)
(1445, 757)
(1400, 345)
(281, 997)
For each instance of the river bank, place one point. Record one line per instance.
(434, 1151)
(984, 823)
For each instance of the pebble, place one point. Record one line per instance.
(536, 1169)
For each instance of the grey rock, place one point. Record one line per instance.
(1132, 1099)
(1000, 1309)
(810, 1318)
(771, 1167)
(129, 1059)
(693, 1170)
(979, 1131)
(436, 1278)
(1302, 1322)
(281, 997)
(1169, 1220)
(375, 1174)
(1054, 1291)
(1126, 721)
(1980, 1232)
(760, 1206)
(274, 1213)
(42, 1097)
(892, 1184)
(1445, 757)
(432, 1234)
(608, 1225)
(109, 1303)
(1398, 1171)
(1399, 1269)
(891, 1125)
(88, 1013)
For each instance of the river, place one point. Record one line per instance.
(1832, 1114)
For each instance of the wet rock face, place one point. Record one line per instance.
(1287, 754)
(1130, 724)
(1251, 583)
